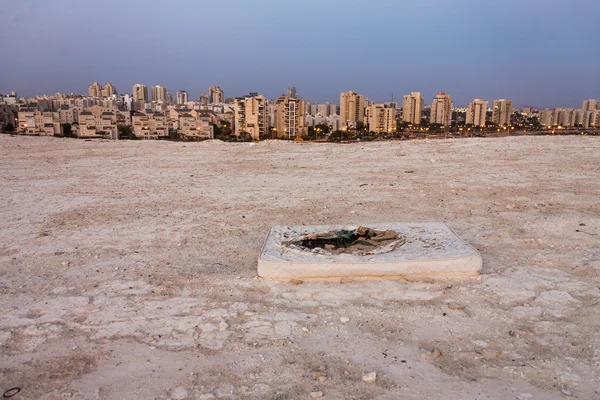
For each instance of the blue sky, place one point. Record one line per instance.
(541, 53)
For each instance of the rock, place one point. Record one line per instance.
(179, 393)
(344, 319)
(566, 392)
(370, 377)
(436, 352)
(64, 263)
(480, 343)
(206, 396)
(225, 392)
(316, 395)
(305, 329)
(524, 396)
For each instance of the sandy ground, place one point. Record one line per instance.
(128, 270)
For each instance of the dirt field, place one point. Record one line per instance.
(128, 270)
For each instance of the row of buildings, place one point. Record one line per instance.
(103, 110)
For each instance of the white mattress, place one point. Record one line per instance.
(431, 250)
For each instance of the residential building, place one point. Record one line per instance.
(590, 105)
(215, 95)
(109, 90)
(381, 119)
(501, 112)
(182, 97)
(7, 116)
(352, 106)
(159, 93)
(203, 99)
(140, 93)
(190, 127)
(324, 109)
(35, 122)
(95, 90)
(93, 125)
(412, 106)
(251, 116)
(545, 117)
(441, 109)
(151, 125)
(476, 112)
(289, 117)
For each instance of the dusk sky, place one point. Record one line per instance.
(541, 53)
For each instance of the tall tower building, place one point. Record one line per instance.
(501, 112)
(290, 118)
(215, 95)
(441, 109)
(182, 97)
(590, 105)
(159, 93)
(108, 90)
(412, 107)
(251, 115)
(203, 99)
(352, 106)
(95, 90)
(140, 93)
(476, 112)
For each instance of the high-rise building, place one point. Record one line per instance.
(159, 93)
(215, 95)
(501, 112)
(251, 116)
(590, 105)
(291, 92)
(545, 117)
(204, 99)
(182, 97)
(95, 90)
(140, 93)
(289, 116)
(380, 118)
(109, 90)
(476, 112)
(352, 106)
(441, 109)
(412, 107)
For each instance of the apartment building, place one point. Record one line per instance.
(381, 119)
(251, 116)
(290, 118)
(190, 127)
(476, 112)
(215, 95)
(103, 125)
(352, 107)
(152, 125)
(441, 109)
(139, 93)
(34, 122)
(501, 112)
(590, 105)
(182, 97)
(159, 93)
(412, 106)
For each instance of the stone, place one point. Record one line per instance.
(316, 395)
(430, 250)
(370, 377)
(344, 319)
(179, 393)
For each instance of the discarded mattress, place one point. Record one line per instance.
(422, 249)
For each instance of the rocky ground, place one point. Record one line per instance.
(128, 271)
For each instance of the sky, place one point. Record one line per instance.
(540, 53)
